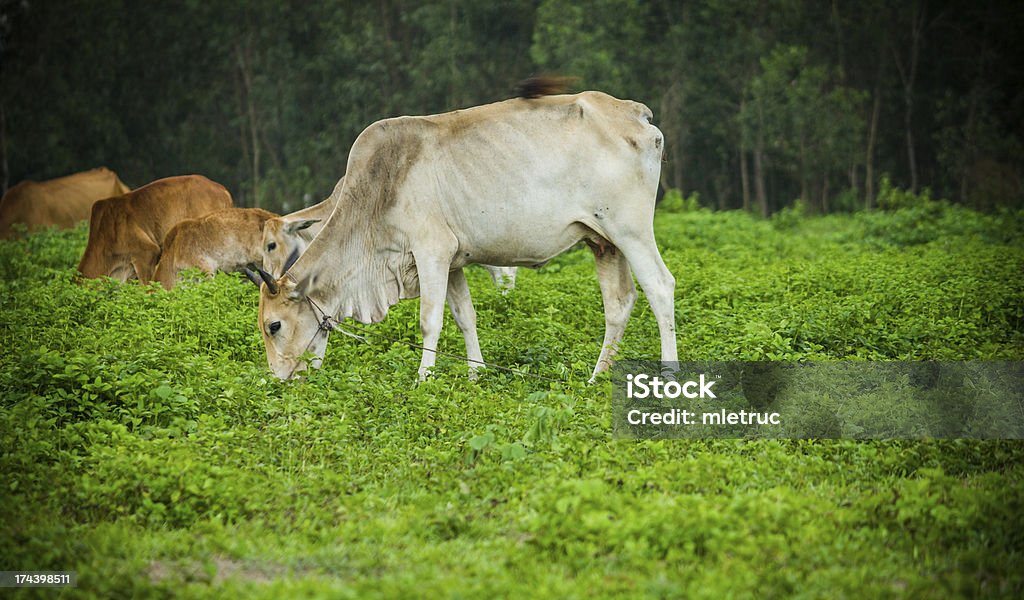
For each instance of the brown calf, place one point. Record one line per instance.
(224, 240)
(126, 232)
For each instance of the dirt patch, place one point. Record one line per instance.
(219, 569)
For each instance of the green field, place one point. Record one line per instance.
(146, 446)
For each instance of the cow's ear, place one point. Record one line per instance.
(296, 226)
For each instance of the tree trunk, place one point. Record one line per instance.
(3, 152)
(869, 158)
(854, 183)
(675, 134)
(677, 165)
(762, 197)
(805, 193)
(723, 191)
(452, 65)
(744, 180)
(824, 196)
(968, 152)
(908, 75)
(243, 140)
(841, 55)
(245, 68)
(911, 157)
(396, 43)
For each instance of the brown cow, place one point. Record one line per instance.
(224, 240)
(61, 202)
(126, 232)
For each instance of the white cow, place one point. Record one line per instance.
(510, 183)
(287, 237)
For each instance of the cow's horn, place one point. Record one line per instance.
(269, 280)
(294, 256)
(250, 272)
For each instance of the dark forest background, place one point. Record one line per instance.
(762, 102)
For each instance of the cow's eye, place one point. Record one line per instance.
(271, 246)
(274, 327)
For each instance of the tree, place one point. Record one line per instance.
(760, 102)
(805, 123)
(600, 43)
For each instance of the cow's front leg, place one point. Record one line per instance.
(461, 305)
(433, 275)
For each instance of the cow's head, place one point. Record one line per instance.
(282, 238)
(290, 326)
(99, 258)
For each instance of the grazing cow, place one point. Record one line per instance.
(224, 240)
(61, 202)
(126, 232)
(292, 233)
(510, 183)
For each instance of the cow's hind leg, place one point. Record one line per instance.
(504, 278)
(618, 294)
(461, 305)
(657, 283)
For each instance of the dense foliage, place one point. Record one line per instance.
(145, 445)
(761, 102)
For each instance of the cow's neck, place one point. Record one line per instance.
(355, 275)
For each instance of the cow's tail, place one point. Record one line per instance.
(544, 85)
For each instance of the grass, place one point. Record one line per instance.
(146, 446)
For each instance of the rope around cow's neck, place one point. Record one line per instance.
(327, 323)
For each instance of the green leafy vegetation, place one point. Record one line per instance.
(145, 445)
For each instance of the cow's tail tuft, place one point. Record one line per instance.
(544, 85)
